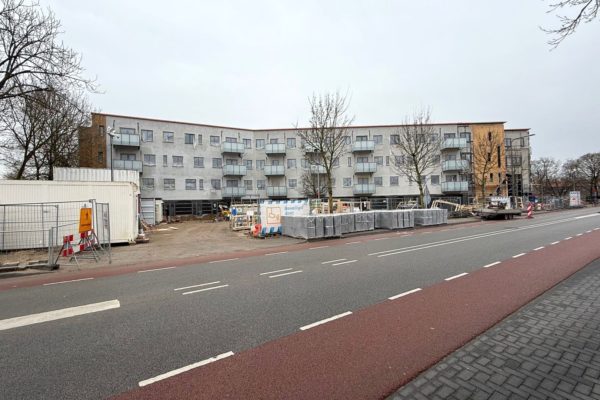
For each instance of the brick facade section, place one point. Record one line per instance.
(92, 143)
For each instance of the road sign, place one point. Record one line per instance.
(85, 219)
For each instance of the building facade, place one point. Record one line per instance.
(193, 167)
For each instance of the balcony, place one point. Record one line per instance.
(126, 139)
(310, 149)
(454, 143)
(276, 191)
(274, 170)
(234, 170)
(363, 146)
(365, 168)
(455, 186)
(131, 165)
(317, 169)
(232, 191)
(364, 188)
(455, 165)
(275, 148)
(232, 148)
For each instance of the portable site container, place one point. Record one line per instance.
(121, 197)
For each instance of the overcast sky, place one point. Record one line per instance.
(253, 64)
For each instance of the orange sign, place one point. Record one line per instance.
(85, 220)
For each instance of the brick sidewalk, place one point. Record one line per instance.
(550, 349)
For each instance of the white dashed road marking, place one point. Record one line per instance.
(456, 276)
(305, 327)
(404, 294)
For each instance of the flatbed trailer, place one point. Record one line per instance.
(495, 213)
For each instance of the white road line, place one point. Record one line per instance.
(539, 248)
(456, 276)
(200, 285)
(596, 229)
(404, 294)
(491, 264)
(353, 242)
(272, 254)
(332, 261)
(323, 321)
(579, 234)
(228, 259)
(204, 290)
(74, 280)
(557, 242)
(318, 247)
(385, 238)
(155, 269)
(518, 255)
(287, 273)
(590, 231)
(279, 270)
(587, 216)
(184, 369)
(568, 238)
(57, 314)
(344, 262)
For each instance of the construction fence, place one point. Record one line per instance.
(43, 226)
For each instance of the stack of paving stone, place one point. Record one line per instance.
(364, 221)
(313, 226)
(433, 216)
(394, 219)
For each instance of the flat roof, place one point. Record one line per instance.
(292, 129)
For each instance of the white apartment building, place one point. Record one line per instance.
(193, 167)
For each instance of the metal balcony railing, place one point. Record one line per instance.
(274, 170)
(454, 143)
(276, 191)
(455, 165)
(235, 148)
(317, 169)
(365, 145)
(364, 188)
(232, 191)
(275, 148)
(365, 168)
(455, 186)
(234, 170)
(132, 165)
(126, 139)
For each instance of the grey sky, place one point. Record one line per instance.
(253, 64)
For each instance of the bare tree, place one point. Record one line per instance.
(585, 11)
(590, 168)
(487, 159)
(32, 58)
(40, 132)
(324, 140)
(417, 150)
(312, 186)
(546, 174)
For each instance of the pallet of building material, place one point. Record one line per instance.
(347, 223)
(406, 219)
(385, 219)
(364, 221)
(422, 217)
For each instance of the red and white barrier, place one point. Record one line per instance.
(530, 211)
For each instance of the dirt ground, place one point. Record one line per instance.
(168, 242)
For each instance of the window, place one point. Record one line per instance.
(273, 141)
(147, 135)
(260, 143)
(394, 139)
(362, 159)
(291, 143)
(378, 160)
(292, 183)
(127, 156)
(347, 182)
(230, 140)
(150, 160)
(387, 160)
(362, 138)
(260, 165)
(198, 162)
(231, 161)
(247, 143)
(275, 162)
(393, 181)
(399, 160)
(490, 136)
(260, 184)
(522, 142)
(189, 138)
(291, 163)
(177, 161)
(491, 177)
(435, 179)
(332, 182)
(165, 161)
(436, 159)
(378, 139)
(168, 137)
(465, 135)
(336, 162)
(147, 183)
(199, 139)
(347, 140)
(248, 184)
(450, 135)
(349, 161)
(200, 184)
(489, 157)
(169, 184)
(101, 130)
(378, 181)
(248, 164)
(190, 184)
(127, 131)
(217, 163)
(498, 156)
(215, 184)
(507, 142)
(450, 157)
(215, 140)
(100, 156)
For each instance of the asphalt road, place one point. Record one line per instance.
(165, 319)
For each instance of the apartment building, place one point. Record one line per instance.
(193, 167)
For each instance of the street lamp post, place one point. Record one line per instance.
(111, 132)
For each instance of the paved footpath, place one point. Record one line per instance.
(550, 349)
